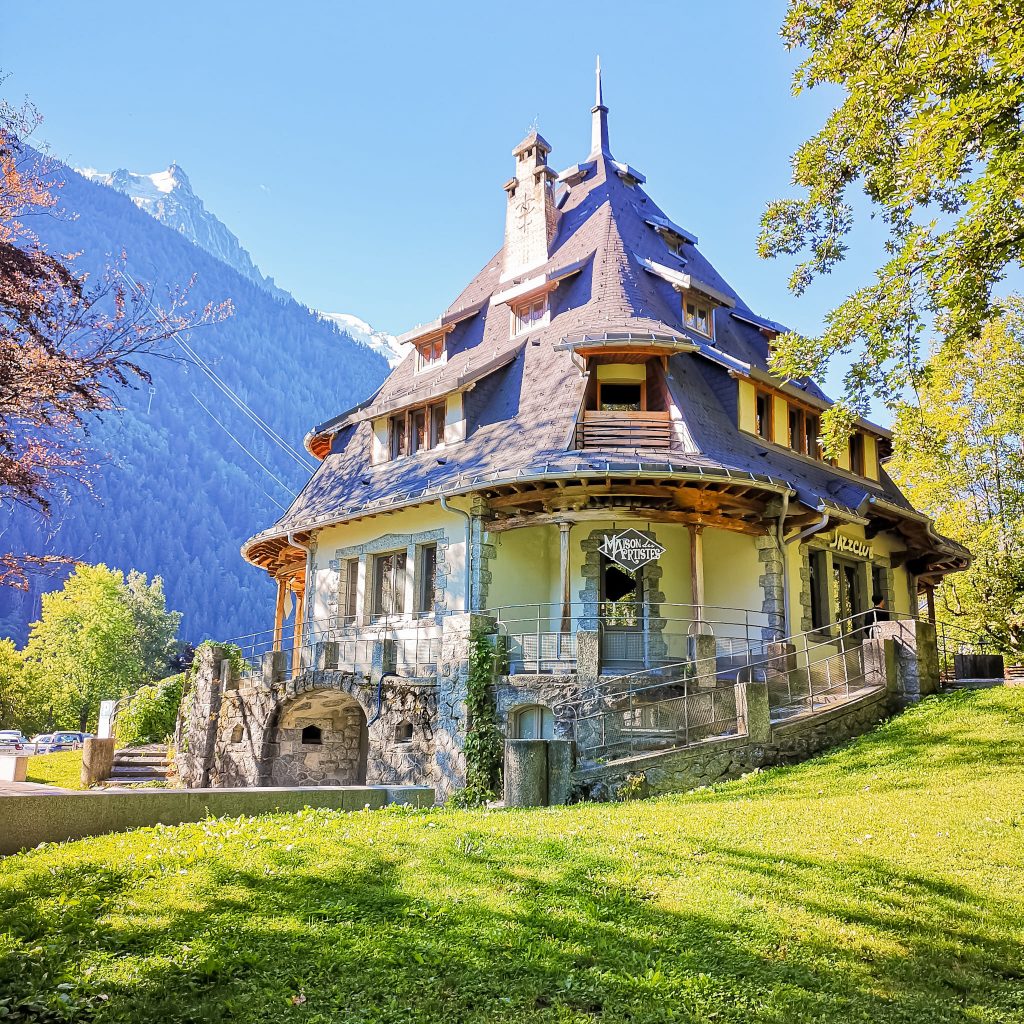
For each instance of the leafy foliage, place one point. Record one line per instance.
(958, 455)
(930, 127)
(484, 740)
(13, 698)
(93, 643)
(879, 883)
(151, 714)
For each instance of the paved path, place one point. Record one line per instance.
(29, 789)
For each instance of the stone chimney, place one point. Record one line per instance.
(531, 218)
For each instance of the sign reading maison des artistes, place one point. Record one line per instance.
(630, 549)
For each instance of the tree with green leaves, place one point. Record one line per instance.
(12, 686)
(930, 129)
(98, 638)
(959, 455)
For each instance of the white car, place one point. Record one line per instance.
(12, 741)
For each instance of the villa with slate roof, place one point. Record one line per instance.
(587, 451)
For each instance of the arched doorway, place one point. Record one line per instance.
(320, 739)
(532, 722)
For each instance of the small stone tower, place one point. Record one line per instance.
(531, 218)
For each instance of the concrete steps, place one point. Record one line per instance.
(135, 765)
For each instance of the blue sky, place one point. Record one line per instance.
(358, 151)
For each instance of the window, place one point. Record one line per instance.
(417, 430)
(399, 436)
(857, 453)
(312, 735)
(389, 584)
(797, 438)
(429, 353)
(403, 732)
(237, 734)
(763, 415)
(819, 590)
(621, 397)
(812, 426)
(348, 585)
(529, 314)
(426, 579)
(534, 722)
(437, 419)
(697, 316)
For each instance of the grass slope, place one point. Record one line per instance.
(63, 769)
(879, 883)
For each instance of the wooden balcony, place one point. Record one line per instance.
(605, 429)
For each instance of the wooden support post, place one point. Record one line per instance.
(697, 571)
(282, 592)
(929, 593)
(563, 561)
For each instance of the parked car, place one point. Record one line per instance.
(63, 741)
(12, 741)
(40, 741)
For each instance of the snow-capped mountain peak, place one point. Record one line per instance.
(359, 330)
(168, 196)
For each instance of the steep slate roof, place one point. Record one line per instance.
(521, 416)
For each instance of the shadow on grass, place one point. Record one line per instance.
(476, 925)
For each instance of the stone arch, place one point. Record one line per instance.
(339, 759)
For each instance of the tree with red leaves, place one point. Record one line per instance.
(66, 344)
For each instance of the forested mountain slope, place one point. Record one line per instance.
(175, 495)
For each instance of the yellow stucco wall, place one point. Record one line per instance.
(404, 524)
(731, 570)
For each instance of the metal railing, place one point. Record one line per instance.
(414, 648)
(966, 656)
(660, 633)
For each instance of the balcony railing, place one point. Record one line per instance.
(608, 429)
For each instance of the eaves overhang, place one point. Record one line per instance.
(467, 484)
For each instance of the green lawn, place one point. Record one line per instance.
(62, 769)
(880, 883)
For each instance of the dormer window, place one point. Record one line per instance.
(697, 315)
(529, 314)
(429, 353)
(417, 429)
(763, 415)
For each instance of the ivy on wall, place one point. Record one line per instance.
(485, 742)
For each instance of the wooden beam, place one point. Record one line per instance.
(526, 519)
(697, 570)
(563, 560)
(282, 591)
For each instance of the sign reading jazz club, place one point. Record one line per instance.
(630, 549)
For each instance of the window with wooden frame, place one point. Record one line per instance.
(417, 429)
(622, 396)
(763, 415)
(529, 313)
(348, 584)
(697, 315)
(429, 353)
(389, 584)
(857, 453)
(797, 437)
(812, 431)
(426, 578)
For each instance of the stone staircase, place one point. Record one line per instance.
(135, 765)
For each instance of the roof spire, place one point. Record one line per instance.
(599, 123)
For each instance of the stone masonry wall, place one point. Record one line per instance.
(722, 759)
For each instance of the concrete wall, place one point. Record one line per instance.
(55, 818)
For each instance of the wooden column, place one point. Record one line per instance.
(929, 593)
(563, 562)
(282, 593)
(697, 571)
